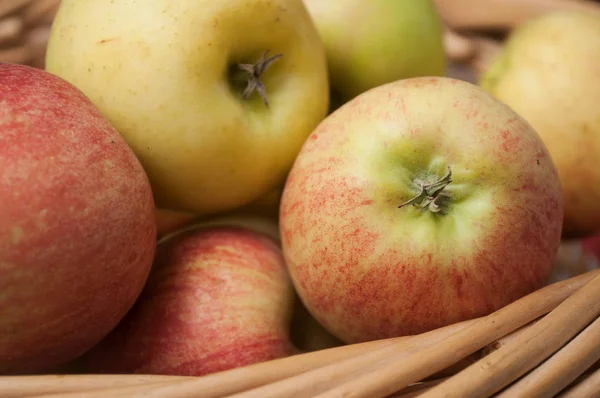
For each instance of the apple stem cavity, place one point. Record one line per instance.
(255, 71)
(431, 195)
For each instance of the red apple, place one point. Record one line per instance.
(219, 297)
(591, 245)
(419, 204)
(77, 229)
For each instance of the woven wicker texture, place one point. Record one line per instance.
(24, 29)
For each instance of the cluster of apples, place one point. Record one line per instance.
(153, 116)
(292, 157)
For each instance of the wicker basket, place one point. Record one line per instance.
(543, 345)
(24, 28)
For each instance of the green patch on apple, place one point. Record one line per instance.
(370, 43)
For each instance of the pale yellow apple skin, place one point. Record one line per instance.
(367, 269)
(158, 70)
(549, 72)
(374, 42)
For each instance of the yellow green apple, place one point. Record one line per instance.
(418, 204)
(547, 71)
(215, 97)
(369, 43)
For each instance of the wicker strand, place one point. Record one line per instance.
(528, 350)
(588, 387)
(562, 368)
(503, 14)
(25, 29)
(27, 386)
(9, 6)
(246, 378)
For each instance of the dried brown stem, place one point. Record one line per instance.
(255, 71)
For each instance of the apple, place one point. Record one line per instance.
(215, 97)
(218, 297)
(77, 228)
(545, 73)
(591, 245)
(418, 204)
(370, 43)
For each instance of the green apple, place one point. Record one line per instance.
(370, 43)
(548, 72)
(215, 119)
(419, 204)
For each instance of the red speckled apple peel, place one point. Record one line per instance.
(77, 229)
(367, 269)
(218, 298)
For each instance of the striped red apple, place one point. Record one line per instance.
(218, 297)
(77, 228)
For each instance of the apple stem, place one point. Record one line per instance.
(430, 194)
(255, 71)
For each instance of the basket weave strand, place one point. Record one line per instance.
(24, 29)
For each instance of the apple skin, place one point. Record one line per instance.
(77, 229)
(591, 245)
(370, 43)
(367, 269)
(162, 80)
(543, 72)
(219, 297)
